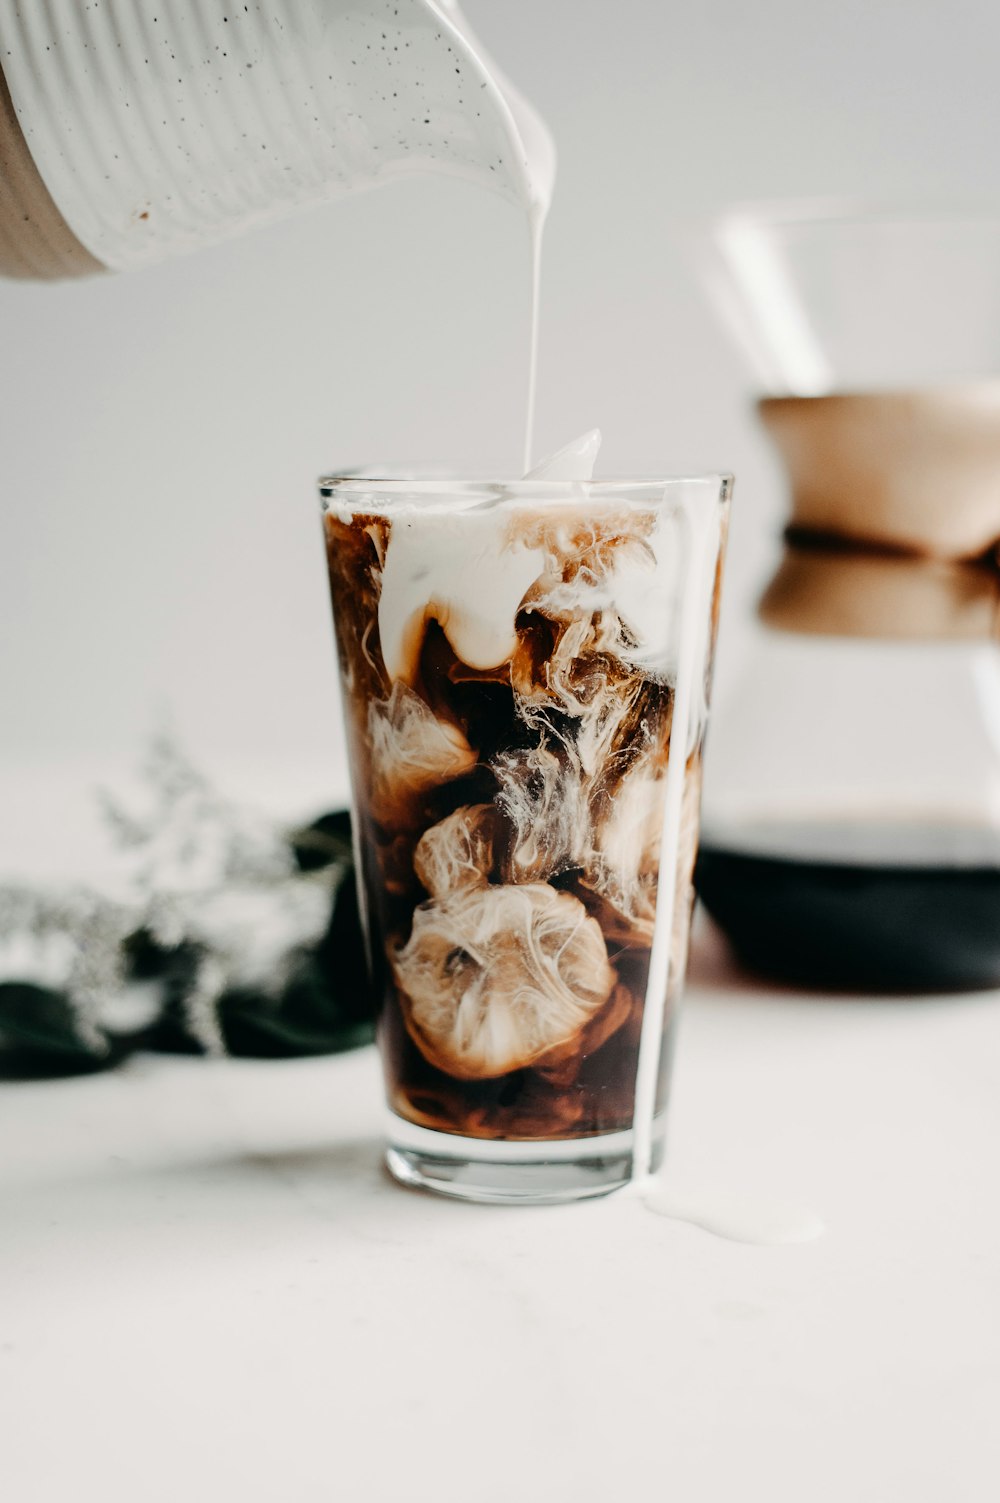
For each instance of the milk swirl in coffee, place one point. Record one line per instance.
(509, 666)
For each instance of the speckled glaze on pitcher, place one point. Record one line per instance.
(135, 132)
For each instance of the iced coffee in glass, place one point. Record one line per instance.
(525, 670)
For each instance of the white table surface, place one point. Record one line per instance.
(210, 1291)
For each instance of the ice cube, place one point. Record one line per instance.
(575, 461)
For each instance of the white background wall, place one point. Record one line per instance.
(160, 433)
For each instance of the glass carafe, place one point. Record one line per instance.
(852, 801)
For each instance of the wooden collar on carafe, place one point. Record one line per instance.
(35, 240)
(895, 513)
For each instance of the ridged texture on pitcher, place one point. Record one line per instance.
(161, 126)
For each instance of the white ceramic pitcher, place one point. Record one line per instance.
(134, 130)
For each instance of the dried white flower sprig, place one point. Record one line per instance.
(70, 942)
(203, 878)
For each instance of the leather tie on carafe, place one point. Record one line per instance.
(35, 240)
(895, 525)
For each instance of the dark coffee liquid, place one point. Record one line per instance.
(508, 827)
(906, 928)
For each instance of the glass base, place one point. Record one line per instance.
(512, 1173)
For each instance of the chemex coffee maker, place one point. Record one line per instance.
(851, 830)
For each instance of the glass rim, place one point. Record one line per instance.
(442, 486)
